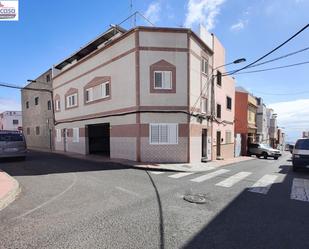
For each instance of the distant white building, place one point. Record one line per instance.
(11, 120)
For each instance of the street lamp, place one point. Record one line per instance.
(240, 60)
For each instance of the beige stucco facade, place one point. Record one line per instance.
(129, 61)
(224, 125)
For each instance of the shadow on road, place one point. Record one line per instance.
(254, 220)
(42, 163)
(161, 220)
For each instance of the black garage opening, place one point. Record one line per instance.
(99, 139)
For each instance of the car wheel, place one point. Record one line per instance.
(276, 158)
(265, 155)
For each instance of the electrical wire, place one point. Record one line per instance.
(275, 59)
(270, 69)
(273, 50)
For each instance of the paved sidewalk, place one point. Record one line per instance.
(9, 189)
(191, 167)
(181, 167)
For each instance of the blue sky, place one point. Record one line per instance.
(48, 31)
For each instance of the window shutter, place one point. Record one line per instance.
(154, 134)
(167, 80)
(58, 135)
(158, 80)
(164, 137)
(107, 89)
(75, 135)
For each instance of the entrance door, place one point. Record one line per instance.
(99, 139)
(218, 143)
(204, 143)
(64, 140)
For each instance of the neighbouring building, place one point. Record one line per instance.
(305, 134)
(261, 122)
(272, 127)
(37, 107)
(245, 119)
(11, 121)
(224, 106)
(142, 95)
(280, 139)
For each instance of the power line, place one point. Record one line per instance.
(270, 69)
(275, 59)
(273, 50)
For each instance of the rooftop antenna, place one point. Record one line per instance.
(133, 15)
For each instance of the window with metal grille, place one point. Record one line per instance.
(163, 133)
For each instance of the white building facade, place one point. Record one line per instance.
(11, 120)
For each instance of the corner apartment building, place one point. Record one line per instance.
(245, 118)
(224, 106)
(11, 121)
(38, 119)
(137, 95)
(261, 122)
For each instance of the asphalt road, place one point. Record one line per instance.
(71, 203)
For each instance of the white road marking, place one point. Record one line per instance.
(229, 182)
(209, 175)
(157, 172)
(50, 200)
(300, 189)
(263, 185)
(182, 174)
(127, 191)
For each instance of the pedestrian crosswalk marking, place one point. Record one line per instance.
(182, 174)
(300, 189)
(263, 185)
(209, 175)
(157, 172)
(229, 182)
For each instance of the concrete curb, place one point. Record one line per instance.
(11, 194)
(183, 167)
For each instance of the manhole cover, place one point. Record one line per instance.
(195, 198)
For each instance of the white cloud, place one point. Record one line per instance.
(293, 116)
(202, 12)
(9, 105)
(153, 11)
(238, 26)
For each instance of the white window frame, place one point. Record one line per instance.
(57, 105)
(171, 140)
(69, 100)
(58, 135)
(102, 94)
(205, 66)
(90, 94)
(204, 105)
(228, 141)
(165, 85)
(75, 135)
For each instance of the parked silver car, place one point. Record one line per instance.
(263, 150)
(300, 156)
(12, 144)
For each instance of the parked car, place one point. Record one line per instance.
(300, 157)
(263, 150)
(12, 144)
(291, 148)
